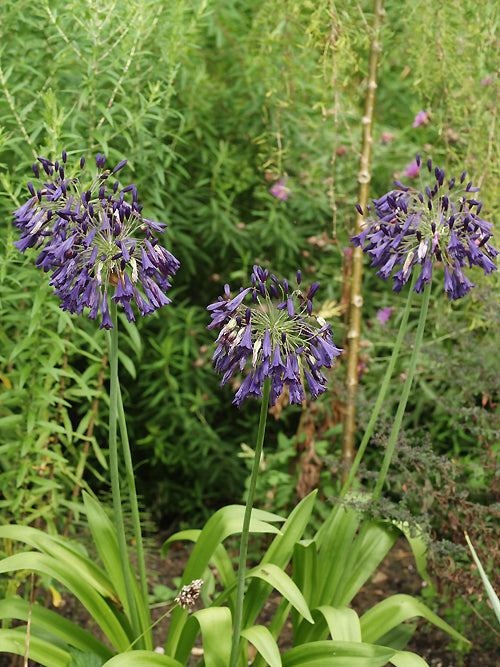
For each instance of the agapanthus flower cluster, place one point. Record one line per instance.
(96, 244)
(414, 230)
(277, 334)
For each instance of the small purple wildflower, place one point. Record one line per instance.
(278, 334)
(412, 169)
(440, 224)
(487, 80)
(94, 242)
(280, 190)
(383, 315)
(422, 118)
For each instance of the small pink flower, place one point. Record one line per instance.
(386, 138)
(412, 170)
(280, 190)
(420, 119)
(384, 314)
(487, 80)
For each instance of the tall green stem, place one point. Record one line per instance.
(382, 392)
(136, 518)
(238, 612)
(404, 396)
(114, 391)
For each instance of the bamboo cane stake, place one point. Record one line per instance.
(356, 299)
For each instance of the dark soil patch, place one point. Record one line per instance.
(396, 575)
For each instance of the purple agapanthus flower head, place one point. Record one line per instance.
(416, 229)
(96, 244)
(277, 335)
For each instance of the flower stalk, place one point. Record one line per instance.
(389, 452)
(238, 612)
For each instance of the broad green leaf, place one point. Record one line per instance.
(63, 550)
(305, 576)
(374, 541)
(407, 659)
(225, 522)
(279, 579)
(279, 553)
(216, 631)
(337, 654)
(343, 624)
(396, 609)
(43, 652)
(51, 622)
(106, 541)
(418, 546)
(264, 642)
(334, 548)
(142, 659)
(101, 611)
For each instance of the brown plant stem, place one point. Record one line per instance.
(356, 299)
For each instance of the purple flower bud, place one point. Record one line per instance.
(119, 166)
(82, 161)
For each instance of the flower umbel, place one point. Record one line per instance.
(441, 224)
(278, 334)
(189, 594)
(95, 243)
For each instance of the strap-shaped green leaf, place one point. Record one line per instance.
(106, 541)
(394, 610)
(63, 550)
(337, 654)
(279, 579)
(225, 522)
(215, 624)
(407, 659)
(142, 659)
(40, 650)
(50, 622)
(111, 622)
(279, 553)
(264, 642)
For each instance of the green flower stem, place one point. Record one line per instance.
(382, 393)
(238, 612)
(114, 469)
(136, 519)
(404, 396)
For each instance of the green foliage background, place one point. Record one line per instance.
(212, 101)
